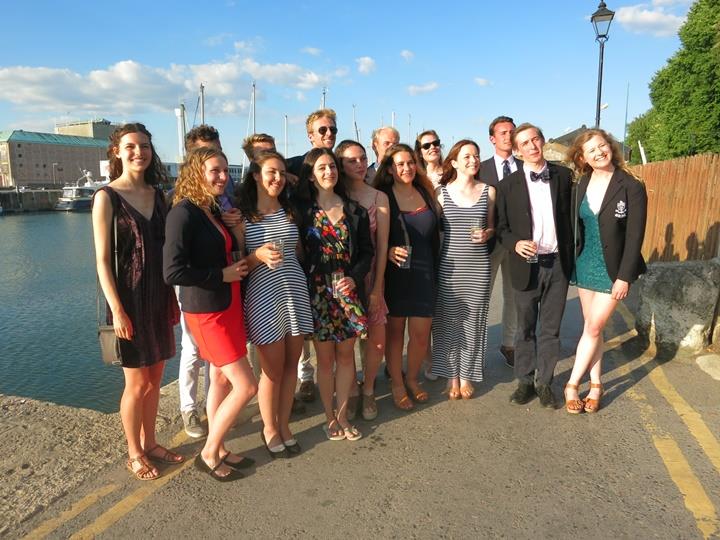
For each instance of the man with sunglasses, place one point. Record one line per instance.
(493, 171)
(322, 131)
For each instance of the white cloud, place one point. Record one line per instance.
(244, 46)
(218, 39)
(300, 96)
(365, 65)
(670, 3)
(407, 55)
(341, 72)
(482, 82)
(128, 88)
(415, 89)
(643, 19)
(313, 51)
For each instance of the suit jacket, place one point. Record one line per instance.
(294, 164)
(361, 248)
(515, 220)
(194, 258)
(621, 220)
(488, 172)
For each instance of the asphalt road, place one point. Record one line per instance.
(646, 466)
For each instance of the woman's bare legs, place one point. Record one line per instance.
(226, 403)
(418, 343)
(374, 352)
(597, 309)
(344, 377)
(272, 362)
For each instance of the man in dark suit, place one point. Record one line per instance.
(534, 226)
(492, 171)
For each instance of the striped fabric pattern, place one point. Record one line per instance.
(276, 301)
(459, 329)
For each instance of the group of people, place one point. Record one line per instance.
(323, 247)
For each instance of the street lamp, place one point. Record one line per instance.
(601, 20)
(54, 165)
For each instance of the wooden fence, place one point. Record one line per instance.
(683, 208)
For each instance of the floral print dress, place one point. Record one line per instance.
(334, 319)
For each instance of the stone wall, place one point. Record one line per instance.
(678, 305)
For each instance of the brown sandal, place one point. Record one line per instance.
(402, 402)
(165, 455)
(418, 394)
(593, 405)
(573, 406)
(145, 472)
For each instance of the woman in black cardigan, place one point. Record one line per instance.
(198, 256)
(338, 251)
(609, 214)
(413, 260)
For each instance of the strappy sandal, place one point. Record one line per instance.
(369, 407)
(165, 456)
(145, 472)
(467, 390)
(402, 402)
(352, 433)
(418, 394)
(593, 405)
(573, 406)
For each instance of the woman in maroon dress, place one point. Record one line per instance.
(202, 256)
(141, 306)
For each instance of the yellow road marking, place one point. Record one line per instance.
(694, 496)
(692, 419)
(128, 504)
(80, 506)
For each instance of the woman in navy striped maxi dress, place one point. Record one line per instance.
(459, 329)
(276, 301)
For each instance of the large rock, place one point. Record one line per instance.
(678, 303)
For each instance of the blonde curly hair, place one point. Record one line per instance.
(191, 182)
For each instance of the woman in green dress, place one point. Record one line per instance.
(609, 214)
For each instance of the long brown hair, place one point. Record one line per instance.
(155, 173)
(384, 179)
(191, 182)
(247, 195)
(575, 152)
(449, 172)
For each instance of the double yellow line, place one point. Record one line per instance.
(694, 495)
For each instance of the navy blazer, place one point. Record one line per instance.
(621, 220)
(361, 248)
(194, 257)
(488, 172)
(515, 220)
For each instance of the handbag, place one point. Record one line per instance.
(109, 341)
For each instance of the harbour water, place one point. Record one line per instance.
(48, 330)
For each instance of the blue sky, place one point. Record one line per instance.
(449, 66)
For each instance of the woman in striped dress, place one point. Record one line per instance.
(277, 306)
(460, 322)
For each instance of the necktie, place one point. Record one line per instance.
(506, 168)
(543, 175)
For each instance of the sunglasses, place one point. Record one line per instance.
(322, 130)
(427, 145)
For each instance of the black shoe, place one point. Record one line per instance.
(275, 455)
(509, 355)
(293, 449)
(298, 407)
(546, 396)
(306, 392)
(523, 394)
(244, 463)
(212, 471)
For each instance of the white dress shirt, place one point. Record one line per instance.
(543, 217)
(499, 165)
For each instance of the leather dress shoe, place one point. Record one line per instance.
(546, 396)
(298, 407)
(307, 391)
(508, 354)
(523, 394)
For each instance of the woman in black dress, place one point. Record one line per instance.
(140, 306)
(410, 275)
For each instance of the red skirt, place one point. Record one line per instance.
(220, 336)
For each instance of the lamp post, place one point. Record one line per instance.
(601, 20)
(54, 165)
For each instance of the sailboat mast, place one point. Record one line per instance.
(202, 103)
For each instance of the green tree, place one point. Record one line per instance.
(685, 94)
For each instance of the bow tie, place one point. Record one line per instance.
(543, 175)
